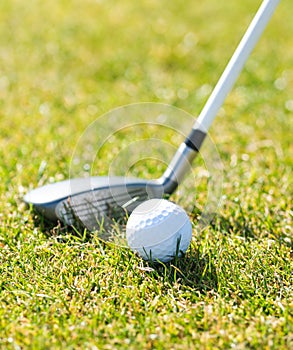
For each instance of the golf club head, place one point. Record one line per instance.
(94, 202)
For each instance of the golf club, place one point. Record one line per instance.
(95, 201)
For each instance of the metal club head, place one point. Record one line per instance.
(93, 202)
(98, 201)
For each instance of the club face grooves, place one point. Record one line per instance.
(100, 207)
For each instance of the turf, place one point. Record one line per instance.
(64, 63)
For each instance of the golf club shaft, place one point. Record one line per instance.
(187, 151)
(235, 65)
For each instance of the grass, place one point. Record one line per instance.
(63, 64)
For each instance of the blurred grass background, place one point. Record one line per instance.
(62, 64)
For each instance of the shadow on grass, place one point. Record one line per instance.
(193, 270)
(61, 232)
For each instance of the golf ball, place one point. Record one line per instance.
(158, 229)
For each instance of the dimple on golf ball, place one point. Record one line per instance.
(158, 229)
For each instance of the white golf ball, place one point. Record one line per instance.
(158, 230)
